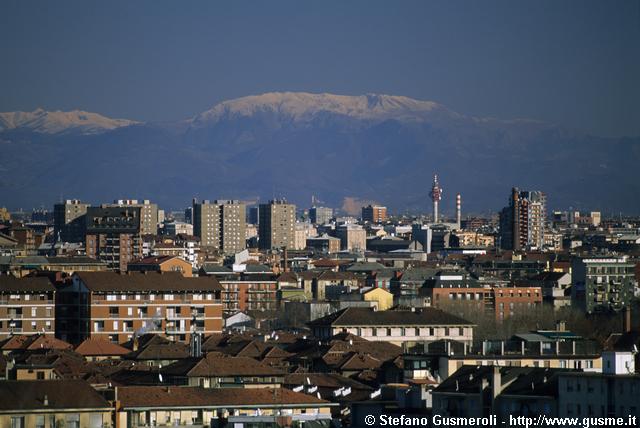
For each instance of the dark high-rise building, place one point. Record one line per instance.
(188, 215)
(320, 215)
(114, 235)
(522, 222)
(220, 225)
(253, 217)
(276, 227)
(69, 220)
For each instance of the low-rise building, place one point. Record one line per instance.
(52, 403)
(222, 407)
(162, 264)
(395, 326)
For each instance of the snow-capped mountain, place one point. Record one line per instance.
(60, 122)
(373, 147)
(304, 107)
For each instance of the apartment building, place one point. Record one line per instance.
(114, 306)
(52, 403)
(602, 283)
(220, 224)
(374, 214)
(353, 237)
(456, 288)
(27, 306)
(395, 326)
(276, 226)
(114, 235)
(522, 223)
(223, 407)
(148, 213)
(320, 215)
(255, 293)
(162, 264)
(69, 220)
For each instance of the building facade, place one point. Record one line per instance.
(148, 213)
(374, 214)
(353, 237)
(69, 220)
(220, 224)
(602, 283)
(320, 215)
(112, 306)
(522, 223)
(276, 228)
(114, 235)
(27, 306)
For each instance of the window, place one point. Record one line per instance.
(40, 375)
(40, 421)
(73, 421)
(17, 422)
(34, 311)
(130, 311)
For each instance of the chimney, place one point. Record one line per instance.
(286, 260)
(45, 401)
(561, 325)
(135, 344)
(626, 326)
(458, 210)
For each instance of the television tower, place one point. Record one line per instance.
(436, 196)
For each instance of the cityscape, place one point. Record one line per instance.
(289, 257)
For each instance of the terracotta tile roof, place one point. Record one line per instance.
(160, 351)
(163, 396)
(146, 281)
(329, 275)
(61, 394)
(216, 365)
(288, 277)
(361, 362)
(370, 317)
(96, 347)
(36, 284)
(324, 380)
(153, 260)
(33, 342)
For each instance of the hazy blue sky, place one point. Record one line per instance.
(575, 63)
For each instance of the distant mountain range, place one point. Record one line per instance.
(371, 147)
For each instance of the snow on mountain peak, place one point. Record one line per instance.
(302, 106)
(59, 122)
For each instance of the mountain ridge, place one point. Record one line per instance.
(370, 147)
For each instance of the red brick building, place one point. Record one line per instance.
(112, 306)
